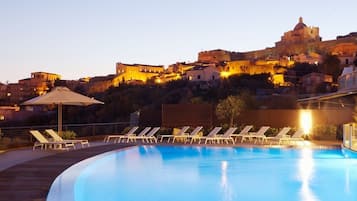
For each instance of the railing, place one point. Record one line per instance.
(18, 136)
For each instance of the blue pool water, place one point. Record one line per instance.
(160, 173)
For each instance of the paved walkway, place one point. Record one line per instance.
(31, 180)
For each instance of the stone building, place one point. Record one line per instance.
(300, 34)
(203, 73)
(102, 83)
(138, 72)
(38, 84)
(214, 56)
(180, 67)
(311, 82)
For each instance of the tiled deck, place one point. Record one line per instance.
(31, 180)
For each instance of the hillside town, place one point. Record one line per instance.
(301, 45)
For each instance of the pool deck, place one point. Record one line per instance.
(28, 175)
(32, 179)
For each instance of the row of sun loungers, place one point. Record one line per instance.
(229, 136)
(56, 142)
(148, 135)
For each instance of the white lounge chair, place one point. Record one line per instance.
(150, 137)
(44, 143)
(297, 136)
(58, 138)
(118, 137)
(180, 132)
(212, 133)
(283, 133)
(227, 136)
(244, 131)
(194, 134)
(259, 135)
(139, 136)
(187, 136)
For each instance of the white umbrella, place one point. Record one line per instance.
(62, 96)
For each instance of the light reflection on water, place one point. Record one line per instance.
(306, 172)
(153, 173)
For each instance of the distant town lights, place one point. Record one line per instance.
(158, 81)
(225, 74)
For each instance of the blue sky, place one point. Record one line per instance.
(80, 38)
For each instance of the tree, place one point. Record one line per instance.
(230, 108)
(302, 69)
(331, 66)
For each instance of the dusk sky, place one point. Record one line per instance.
(80, 38)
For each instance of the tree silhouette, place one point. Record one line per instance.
(230, 108)
(331, 66)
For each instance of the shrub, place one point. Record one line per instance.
(324, 132)
(225, 126)
(126, 129)
(165, 131)
(271, 132)
(68, 135)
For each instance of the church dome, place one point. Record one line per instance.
(300, 25)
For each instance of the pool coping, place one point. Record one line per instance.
(32, 180)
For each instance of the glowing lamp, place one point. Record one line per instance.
(306, 121)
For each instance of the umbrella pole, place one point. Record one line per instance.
(60, 119)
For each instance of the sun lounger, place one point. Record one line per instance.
(118, 137)
(283, 133)
(212, 133)
(227, 136)
(44, 143)
(181, 132)
(58, 138)
(194, 134)
(150, 136)
(187, 136)
(297, 136)
(259, 135)
(244, 131)
(139, 136)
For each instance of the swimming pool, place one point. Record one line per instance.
(176, 173)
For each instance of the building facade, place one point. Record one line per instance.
(202, 73)
(39, 83)
(138, 72)
(300, 34)
(312, 83)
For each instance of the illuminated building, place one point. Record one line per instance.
(203, 73)
(137, 72)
